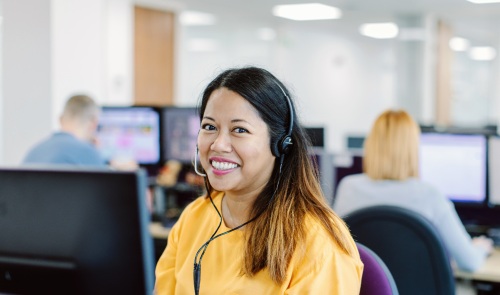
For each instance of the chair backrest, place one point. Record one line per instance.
(409, 245)
(377, 279)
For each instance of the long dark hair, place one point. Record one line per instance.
(273, 237)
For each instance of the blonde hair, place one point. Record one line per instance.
(81, 108)
(391, 148)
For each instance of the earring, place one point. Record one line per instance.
(196, 164)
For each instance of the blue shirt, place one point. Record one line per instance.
(63, 148)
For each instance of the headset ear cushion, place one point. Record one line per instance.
(275, 148)
(285, 145)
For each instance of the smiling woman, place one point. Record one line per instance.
(264, 225)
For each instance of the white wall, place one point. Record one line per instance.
(340, 79)
(53, 49)
(26, 75)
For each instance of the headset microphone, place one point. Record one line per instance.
(196, 164)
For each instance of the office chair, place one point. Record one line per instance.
(409, 245)
(377, 279)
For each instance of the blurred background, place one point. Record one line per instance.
(436, 58)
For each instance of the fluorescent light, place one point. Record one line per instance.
(266, 34)
(482, 53)
(379, 30)
(484, 1)
(459, 44)
(308, 11)
(196, 18)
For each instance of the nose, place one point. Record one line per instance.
(222, 143)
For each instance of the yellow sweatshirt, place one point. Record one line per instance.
(325, 268)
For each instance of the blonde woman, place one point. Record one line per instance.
(390, 177)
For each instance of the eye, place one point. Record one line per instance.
(208, 127)
(240, 130)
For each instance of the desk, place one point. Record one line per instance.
(489, 272)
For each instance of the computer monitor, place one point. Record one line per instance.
(317, 136)
(494, 170)
(74, 232)
(345, 165)
(180, 133)
(130, 133)
(456, 165)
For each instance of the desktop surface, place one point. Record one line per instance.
(489, 271)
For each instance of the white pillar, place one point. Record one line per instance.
(26, 76)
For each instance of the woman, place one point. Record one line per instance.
(264, 227)
(390, 177)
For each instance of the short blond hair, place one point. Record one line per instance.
(81, 108)
(392, 146)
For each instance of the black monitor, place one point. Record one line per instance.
(456, 164)
(180, 132)
(74, 232)
(130, 133)
(494, 171)
(316, 135)
(345, 165)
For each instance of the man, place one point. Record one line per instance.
(73, 144)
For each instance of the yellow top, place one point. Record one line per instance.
(324, 269)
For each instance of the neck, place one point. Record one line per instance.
(236, 210)
(77, 131)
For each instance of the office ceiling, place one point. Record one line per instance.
(478, 20)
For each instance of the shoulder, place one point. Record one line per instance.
(321, 244)
(320, 265)
(427, 191)
(353, 180)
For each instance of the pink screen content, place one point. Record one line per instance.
(129, 133)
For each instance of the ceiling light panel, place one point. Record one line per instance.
(484, 1)
(379, 30)
(482, 53)
(307, 11)
(196, 18)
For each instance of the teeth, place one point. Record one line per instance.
(223, 165)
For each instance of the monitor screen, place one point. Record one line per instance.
(180, 133)
(130, 133)
(455, 164)
(74, 232)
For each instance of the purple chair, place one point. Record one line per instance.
(377, 279)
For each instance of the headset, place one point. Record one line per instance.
(283, 146)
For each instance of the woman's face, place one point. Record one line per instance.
(234, 144)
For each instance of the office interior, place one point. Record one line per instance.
(441, 64)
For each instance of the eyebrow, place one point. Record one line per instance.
(232, 121)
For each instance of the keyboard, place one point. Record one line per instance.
(492, 232)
